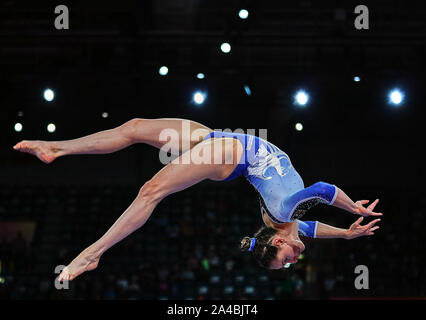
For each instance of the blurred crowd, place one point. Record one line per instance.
(189, 249)
(15, 254)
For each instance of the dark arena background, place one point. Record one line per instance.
(360, 129)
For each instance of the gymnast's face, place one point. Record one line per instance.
(288, 251)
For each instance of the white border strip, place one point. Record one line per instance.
(335, 195)
(315, 230)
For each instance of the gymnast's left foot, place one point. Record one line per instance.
(44, 150)
(84, 262)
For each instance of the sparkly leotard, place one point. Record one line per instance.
(281, 190)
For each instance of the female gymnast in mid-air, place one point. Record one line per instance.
(226, 156)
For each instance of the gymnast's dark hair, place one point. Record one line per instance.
(263, 251)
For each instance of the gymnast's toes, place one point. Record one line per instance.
(40, 149)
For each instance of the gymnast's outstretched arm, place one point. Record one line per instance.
(344, 202)
(316, 229)
(298, 203)
(356, 230)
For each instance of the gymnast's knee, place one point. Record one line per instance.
(132, 128)
(152, 191)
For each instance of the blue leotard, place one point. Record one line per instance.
(281, 190)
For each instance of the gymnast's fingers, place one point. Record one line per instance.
(372, 223)
(375, 213)
(358, 222)
(371, 206)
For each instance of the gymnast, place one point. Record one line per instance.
(225, 156)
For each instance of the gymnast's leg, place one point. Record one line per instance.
(137, 130)
(174, 177)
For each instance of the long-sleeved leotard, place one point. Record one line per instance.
(281, 190)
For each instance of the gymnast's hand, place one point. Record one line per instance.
(366, 212)
(357, 230)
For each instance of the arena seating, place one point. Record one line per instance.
(189, 249)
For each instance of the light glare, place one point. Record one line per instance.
(302, 98)
(225, 47)
(396, 97)
(51, 127)
(243, 14)
(18, 127)
(163, 71)
(49, 95)
(199, 97)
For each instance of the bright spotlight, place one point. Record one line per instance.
(243, 14)
(18, 127)
(301, 98)
(357, 79)
(51, 127)
(200, 75)
(105, 115)
(163, 70)
(396, 97)
(225, 47)
(299, 126)
(247, 90)
(199, 97)
(48, 95)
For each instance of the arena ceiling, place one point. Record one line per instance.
(109, 58)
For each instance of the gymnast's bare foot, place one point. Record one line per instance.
(84, 262)
(44, 150)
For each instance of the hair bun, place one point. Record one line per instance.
(245, 244)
